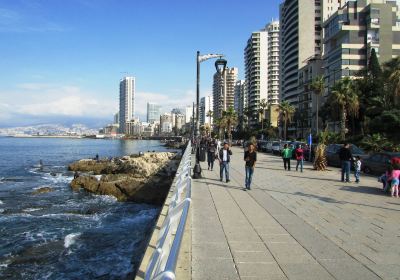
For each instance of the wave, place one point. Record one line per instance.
(59, 178)
(1, 202)
(70, 239)
(31, 209)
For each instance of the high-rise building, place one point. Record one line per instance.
(354, 30)
(256, 72)
(273, 62)
(126, 101)
(206, 106)
(189, 113)
(240, 100)
(153, 112)
(224, 91)
(300, 39)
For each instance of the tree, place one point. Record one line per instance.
(220, 125)
(395, 80)
(263, 106)
(210, 115)
(230, 119)
(374, 68)
(318, 86)
(346, 100)
(286, 110)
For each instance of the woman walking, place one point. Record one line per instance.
(211, 150)
(250, 157)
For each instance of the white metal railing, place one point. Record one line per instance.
(163, 261)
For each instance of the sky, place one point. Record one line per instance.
(61, 61)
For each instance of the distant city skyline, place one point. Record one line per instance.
(62, 62)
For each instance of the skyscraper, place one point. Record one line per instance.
(126, 101)
(256, 72)
(300, 39)
(153, 112)
(224, 91)
(273, 62)
(206, 105)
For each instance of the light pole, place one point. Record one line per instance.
(220, 66)
(199, 59)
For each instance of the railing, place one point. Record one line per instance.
(163, 261)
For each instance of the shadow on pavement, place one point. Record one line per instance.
(362, 189)
(313, 178)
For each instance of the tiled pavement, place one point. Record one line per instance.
(292, 225)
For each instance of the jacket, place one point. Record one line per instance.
(221, 155)
(345, 154)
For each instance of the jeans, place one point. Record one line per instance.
(286, 163)
(249, 176)
(210, 160)
(224, 165)
(299, 162)
(346, 170)
(357, 175)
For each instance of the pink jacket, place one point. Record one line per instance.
(395, 175)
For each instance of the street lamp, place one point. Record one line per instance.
(199, 59)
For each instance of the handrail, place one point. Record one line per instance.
(163, 262)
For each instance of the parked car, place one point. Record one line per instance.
(332, 155)
(378, 162)
(262, 145)
(268, 147)
(276, 148)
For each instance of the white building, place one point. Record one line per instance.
(153, 112)
(189, 113)
(126, 101)
(273, 62)
(224, 91)
(256, 72)
(206, 106)
(240, 97)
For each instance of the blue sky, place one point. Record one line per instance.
(61, 61)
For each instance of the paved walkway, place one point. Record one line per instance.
(292, 225)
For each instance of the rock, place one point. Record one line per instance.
(143, 179)
(42, 190)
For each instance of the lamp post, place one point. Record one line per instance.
(199, 59)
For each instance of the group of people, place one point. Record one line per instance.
(287, 155)
(223, 155)
(391, 179)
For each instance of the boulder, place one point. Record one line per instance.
(143, 179)
(42, 190)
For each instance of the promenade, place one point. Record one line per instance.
(292, 225)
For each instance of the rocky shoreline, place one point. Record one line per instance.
(144, 178)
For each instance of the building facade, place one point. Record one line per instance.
(256, 73)
(240, 102)
(273, 62)
(354, 30)
(153, 112)
(126, 102)
(300, 39)
(206, 108)
(224, 91)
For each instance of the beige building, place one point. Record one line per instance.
(224, 91)
(273, 62)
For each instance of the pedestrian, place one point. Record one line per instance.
(250, 157)
(211, 151)
(97, 157)
(299, 154)
(287, 154)
(357, 169)
(394, 177)
(224, 157)
(345, 157)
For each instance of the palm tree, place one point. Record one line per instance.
(395, 79)
(286, 110)
(263, 106)
(230, 119)
(318, 86)
(345, 98)
(210, 115)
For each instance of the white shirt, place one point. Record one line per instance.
(224, 155)
(358, 165)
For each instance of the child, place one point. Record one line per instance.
(357, 169)
(395, 177)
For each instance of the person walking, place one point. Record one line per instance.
(250, 157)
(224, 157)
(287, 154)
(345, 157)
(299, 154)
(211, 151)
(357, 169)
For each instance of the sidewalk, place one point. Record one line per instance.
(292, 225)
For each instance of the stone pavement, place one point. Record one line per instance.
(292, 225)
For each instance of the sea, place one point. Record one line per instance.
(64, 234)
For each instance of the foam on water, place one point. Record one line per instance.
(32, 209)
(70, 239)
(1, 202)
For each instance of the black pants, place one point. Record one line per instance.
(210, 159)
(286, 163)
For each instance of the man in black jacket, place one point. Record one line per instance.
(345, 157)
(224, 157)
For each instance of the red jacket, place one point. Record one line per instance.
(299, 153)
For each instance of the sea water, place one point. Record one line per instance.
(64, 234)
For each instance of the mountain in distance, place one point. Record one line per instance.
(49, 130)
